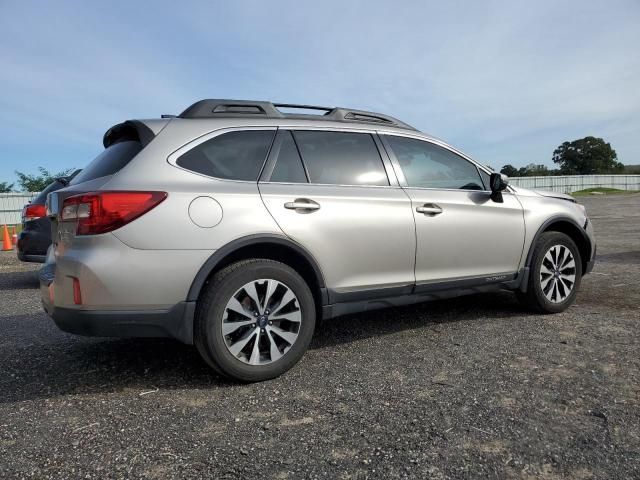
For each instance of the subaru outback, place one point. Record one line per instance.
(237, 225)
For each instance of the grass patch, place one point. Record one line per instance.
(603, 190)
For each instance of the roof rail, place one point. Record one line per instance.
(215, 108)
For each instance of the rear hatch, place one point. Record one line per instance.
(122, 143)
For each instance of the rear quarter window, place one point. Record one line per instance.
(230, 156)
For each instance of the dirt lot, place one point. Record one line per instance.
(466, 388)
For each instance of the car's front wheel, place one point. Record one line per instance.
(554, 274)
(255, 320)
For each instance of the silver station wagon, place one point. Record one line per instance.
(237, 225)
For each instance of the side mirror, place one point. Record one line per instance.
(498, 182)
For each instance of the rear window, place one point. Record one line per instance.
(231, 156)
(110, 161)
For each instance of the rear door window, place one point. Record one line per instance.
(231, 156)
(341, 158)
(110, 161)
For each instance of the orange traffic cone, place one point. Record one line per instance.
(14, 235)
(6, 241)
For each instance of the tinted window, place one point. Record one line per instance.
(288, 166)
(429, 166)
(341, 158)
(110, 161)
(233, 155)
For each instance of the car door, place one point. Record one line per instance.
(333, 193)
(462, 234)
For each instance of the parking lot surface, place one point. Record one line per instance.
(472, 387)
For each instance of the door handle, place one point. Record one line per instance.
(429, 209)
(303, 204)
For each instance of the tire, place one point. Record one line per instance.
(238, 299)
(552, 292)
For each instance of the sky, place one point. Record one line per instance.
(503, 81)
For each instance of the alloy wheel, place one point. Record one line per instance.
(261, 322)
(557, 273)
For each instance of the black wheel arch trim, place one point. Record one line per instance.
(543, 228)
(219, 255)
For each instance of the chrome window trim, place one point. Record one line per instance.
(396, 187)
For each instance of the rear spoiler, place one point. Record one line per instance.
(135, 130)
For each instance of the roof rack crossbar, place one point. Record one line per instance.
(213, 108)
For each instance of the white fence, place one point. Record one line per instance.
(11, 207)
(573, 183)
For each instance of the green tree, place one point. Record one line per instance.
(587, 156)
(510, 171)
(37, 183)
(533, 170)
(5, 187)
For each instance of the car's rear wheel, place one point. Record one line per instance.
(554, 274)
(255, 320)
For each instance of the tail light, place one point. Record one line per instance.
(33, 212)
(101, 212)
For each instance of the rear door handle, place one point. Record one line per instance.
(429, 209)
(302, 204)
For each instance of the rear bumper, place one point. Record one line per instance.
(32, 245)
(176, 322)
(25, 257)
(114, 276)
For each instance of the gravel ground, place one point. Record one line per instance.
(465, 388)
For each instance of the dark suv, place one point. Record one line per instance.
(35, 237)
